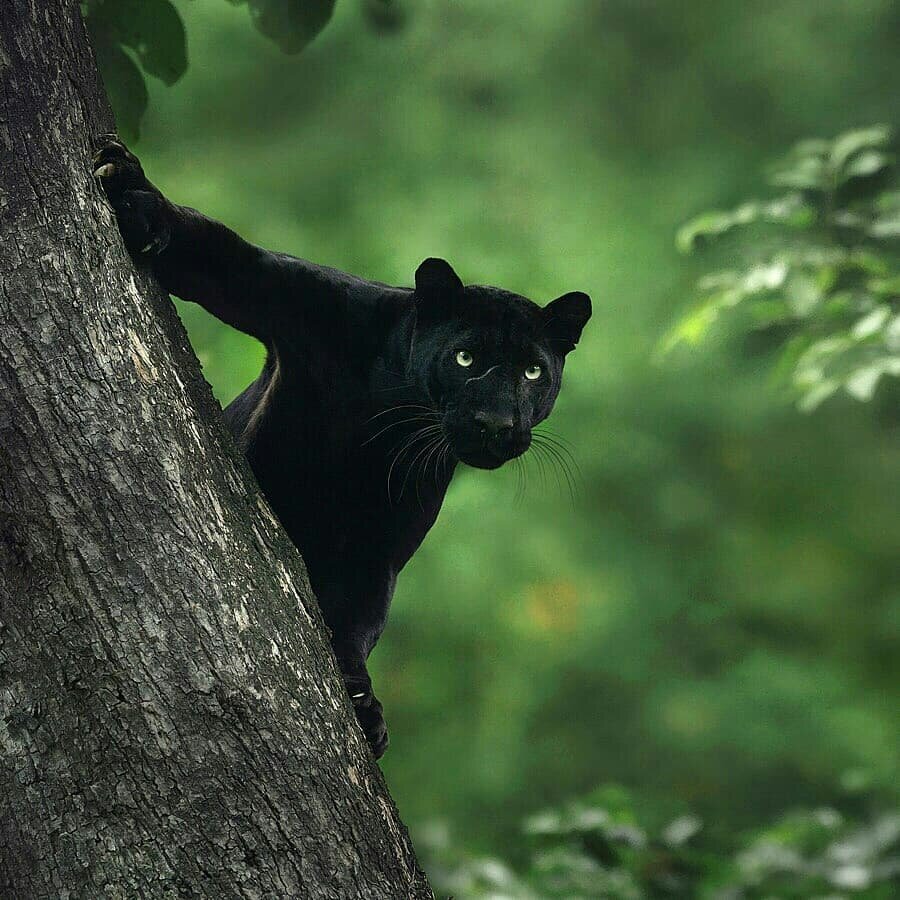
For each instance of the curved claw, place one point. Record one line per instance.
(369, 712)
(157, 245)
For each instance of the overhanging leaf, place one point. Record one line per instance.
(151, 28)
(292, 24)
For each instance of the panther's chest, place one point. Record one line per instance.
(334, 488)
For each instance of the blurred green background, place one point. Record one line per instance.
(714, 622)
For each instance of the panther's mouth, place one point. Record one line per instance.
(484, 455)
(481, 460)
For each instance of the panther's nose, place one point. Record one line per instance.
(494, 424)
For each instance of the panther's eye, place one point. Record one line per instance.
(464, 358)
(532, 373)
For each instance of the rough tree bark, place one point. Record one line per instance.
(171, 721)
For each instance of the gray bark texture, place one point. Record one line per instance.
(172, 723)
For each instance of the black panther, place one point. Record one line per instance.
(369, 397)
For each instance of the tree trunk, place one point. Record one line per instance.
(171, 719)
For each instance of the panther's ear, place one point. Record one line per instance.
(437, 283)
(565, 317)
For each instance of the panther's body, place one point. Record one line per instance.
(369, 398)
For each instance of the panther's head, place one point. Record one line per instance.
(489, 362)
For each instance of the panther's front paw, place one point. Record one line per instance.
(368, 712)
(142, 212)
(118, 168)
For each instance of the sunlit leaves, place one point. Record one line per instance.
(831, 292)
(849, 148)
(823, 166)
(590, 849)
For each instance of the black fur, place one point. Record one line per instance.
(369, 397)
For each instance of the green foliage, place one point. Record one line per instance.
(594, 848)
(133, 37)
(827, 286)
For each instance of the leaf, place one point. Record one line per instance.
(152, 29)
(850, 143)
(809, 369)
(292, 24)
(789, 209)
(764, 277)
(547, 822)
(807, 173)
(887, 216)
(817, 395)
(713, 224)
(862, 383)
(681, 830)
(786, 364)
(871, 323)
(865, 164)
(692, 328)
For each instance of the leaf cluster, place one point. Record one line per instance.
(820, 274)
(134, 38)
(594, 848)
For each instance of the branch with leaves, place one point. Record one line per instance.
(819, 267)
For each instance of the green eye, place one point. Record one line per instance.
(464, 358)
(532, 373)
